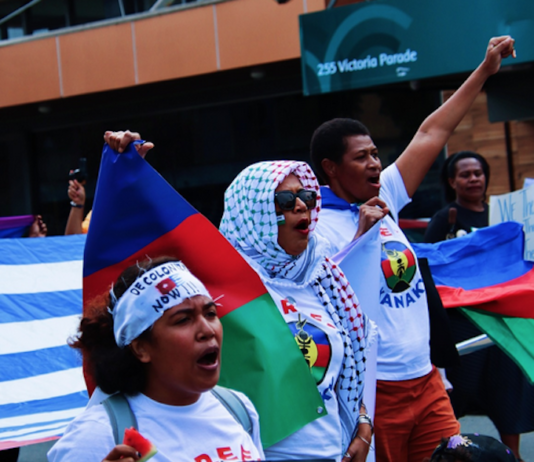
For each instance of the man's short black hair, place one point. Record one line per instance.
(329, 142)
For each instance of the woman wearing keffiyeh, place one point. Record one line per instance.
(270, 213)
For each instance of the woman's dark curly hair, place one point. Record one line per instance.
(448, 170)
(114, 369)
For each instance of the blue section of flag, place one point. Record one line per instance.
(61, 403)
(481, 259)
(28, 307)
(32, 363)
(40, 376)
(31, 430)
(17, 231)
(53, 249)
(11, 227)
(112, 214)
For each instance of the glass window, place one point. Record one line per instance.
(46, 16)
(49, 15)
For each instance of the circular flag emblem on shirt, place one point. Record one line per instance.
(314, 345)
(398, 265)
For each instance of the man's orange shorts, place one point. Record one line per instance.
(411, 417)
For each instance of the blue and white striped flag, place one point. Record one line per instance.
(41, 382)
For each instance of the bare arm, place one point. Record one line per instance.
(76, 193)
(360, 445)
(436, 129)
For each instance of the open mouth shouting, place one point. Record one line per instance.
(209, 359)
(374, 180)
(303, 225)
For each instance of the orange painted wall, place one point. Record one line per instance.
(252, 31)
(176, 45)
(193, 41)
(97, 60)
(29, 72)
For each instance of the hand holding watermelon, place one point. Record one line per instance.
(122, 453)
(134, 448)
(144, 447)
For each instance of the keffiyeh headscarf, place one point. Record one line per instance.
(249, 223)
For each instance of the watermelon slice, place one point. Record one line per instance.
(137, 441)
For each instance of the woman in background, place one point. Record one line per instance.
(465, 178)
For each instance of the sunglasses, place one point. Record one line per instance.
(286, 200)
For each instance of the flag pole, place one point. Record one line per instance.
(473, 344)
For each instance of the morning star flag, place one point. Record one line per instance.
(15, 226)
(484, 269)
(137, 214)
(41, 381)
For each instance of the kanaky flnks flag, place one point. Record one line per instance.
(513, 335)
(485, 273)
(484, 269)
(137, 214)
(41, 381)
(15, 226)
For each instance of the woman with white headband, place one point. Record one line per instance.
(156, 339)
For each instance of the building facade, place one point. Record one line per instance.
(215, 84)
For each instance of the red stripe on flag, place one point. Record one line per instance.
(386, 268)
(323, 355)
(4, 445)
(194, 241)
(410, 257)
(511, 298)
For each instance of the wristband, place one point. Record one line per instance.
(74, 204)
(366, 419)
(364, 440)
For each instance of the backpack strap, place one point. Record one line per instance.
(234, 405)
(120, 415)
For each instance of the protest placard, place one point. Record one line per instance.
(516, 206)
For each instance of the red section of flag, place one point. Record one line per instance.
(4, 445)
(410, 257)
(323, 355)
(510, 298)
(195, 241)
(386, 268)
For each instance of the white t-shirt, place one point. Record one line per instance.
(322, 347)
(201, 432)
(402, 317)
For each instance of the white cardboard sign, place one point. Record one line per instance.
(516, 206)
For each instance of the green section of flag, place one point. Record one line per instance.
(261, 359)
(318, 373)
(513, 335)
